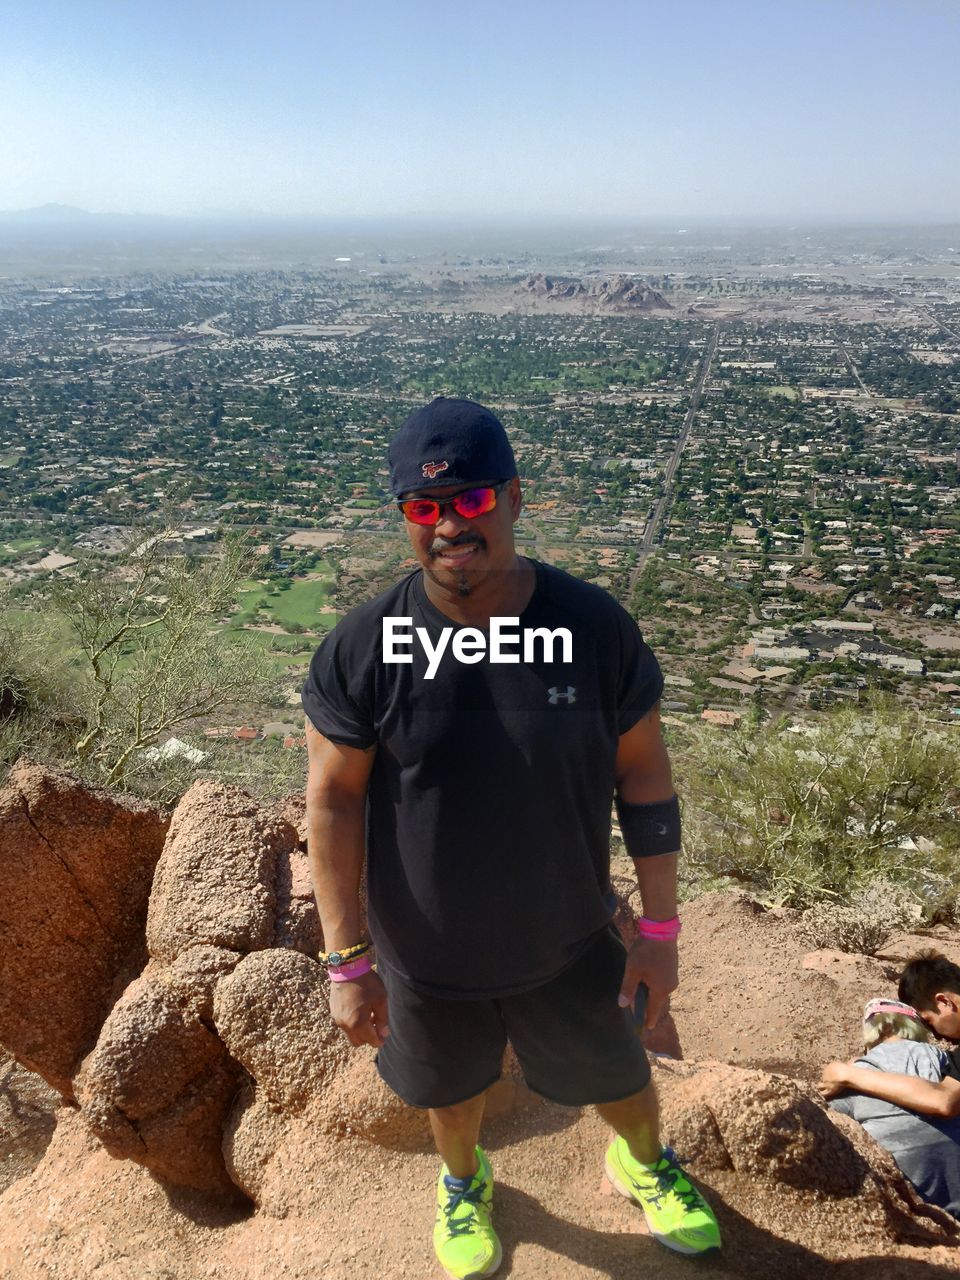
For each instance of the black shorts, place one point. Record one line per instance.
(574, 1043)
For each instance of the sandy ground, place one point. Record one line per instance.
(357, 1210)
(84, 1215)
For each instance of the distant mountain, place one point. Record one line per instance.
(62, 225)
(618, 292)
(46, 212)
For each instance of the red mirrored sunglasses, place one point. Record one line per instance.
(469, 504)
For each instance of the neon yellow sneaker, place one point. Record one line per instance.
(463, 1238)
(676, 1212)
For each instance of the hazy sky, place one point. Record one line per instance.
(659, 108)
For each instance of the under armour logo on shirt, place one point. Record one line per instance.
(569, 695)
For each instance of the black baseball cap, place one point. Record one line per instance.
(449, 442)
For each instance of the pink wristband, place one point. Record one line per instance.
(353, 969)
(659, 930)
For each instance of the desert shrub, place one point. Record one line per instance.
(865, 923)
(942, 899)
(163, 779)
(39, 707)
(265, 769)
(798, 817)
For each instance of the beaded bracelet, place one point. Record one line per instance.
(336, 958)
(659, 930)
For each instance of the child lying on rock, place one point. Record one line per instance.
(926, 1148)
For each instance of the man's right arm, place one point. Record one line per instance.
(336, 796)
(913, 1093)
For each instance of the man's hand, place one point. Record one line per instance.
(654, 963)
(359, 1009)
(834, 1080)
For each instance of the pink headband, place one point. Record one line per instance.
(880, 1005)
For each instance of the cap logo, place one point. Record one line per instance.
(432, 469)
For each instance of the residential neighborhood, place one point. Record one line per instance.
(758, 458)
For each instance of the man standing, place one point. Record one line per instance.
(468, 731)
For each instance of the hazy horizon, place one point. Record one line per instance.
(672, 223)
(812, 110)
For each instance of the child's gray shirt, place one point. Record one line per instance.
(926, 1148)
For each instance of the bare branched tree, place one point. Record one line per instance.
(152, 653)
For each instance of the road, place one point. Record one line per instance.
(655, 519)
(911, 304)
(854, 371)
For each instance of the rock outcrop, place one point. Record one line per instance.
(616, 293)
(207, 1064)
(274, 1019)
(76, 866)
(814, 1173)
(216, 881)
(230, 893)
(159, 1085)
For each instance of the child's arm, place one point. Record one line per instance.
(911, 1092)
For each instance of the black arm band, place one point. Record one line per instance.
(650, 829)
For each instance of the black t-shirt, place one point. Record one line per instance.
(953, 1065)
(488, 808)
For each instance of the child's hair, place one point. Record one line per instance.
(925, 974)
(883, 1025)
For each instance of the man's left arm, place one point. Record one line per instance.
(647, 803)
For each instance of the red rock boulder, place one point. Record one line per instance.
(76, 866)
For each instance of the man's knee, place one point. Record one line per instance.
(460, 1112)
